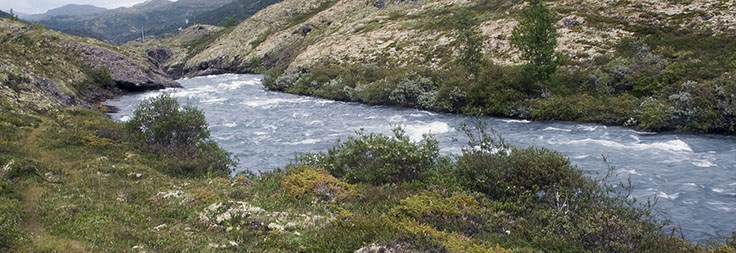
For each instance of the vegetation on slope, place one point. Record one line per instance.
(238, 11)
(75, 181)
(659, 79)
(152, 18)
(668, 67)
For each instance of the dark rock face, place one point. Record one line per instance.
(567, 23)
(160, 55)
(304, 30)
(126, 74)
(51, 88)
(379, 4)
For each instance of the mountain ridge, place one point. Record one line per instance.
(67, 10)
(154, 18)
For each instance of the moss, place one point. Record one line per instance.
(421, 205)
(305, 181)
(452, 242)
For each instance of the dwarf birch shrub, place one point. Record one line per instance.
(180, 136)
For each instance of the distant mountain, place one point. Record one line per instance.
(68, 10)
(5, 14)
(153, 18)
(238, 9)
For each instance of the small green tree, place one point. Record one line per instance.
(536, 37)
(179, 135)
(230, 22)
(471, 57)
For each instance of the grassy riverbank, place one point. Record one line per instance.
(658, 81)
(75, 181)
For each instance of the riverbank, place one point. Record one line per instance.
(689, 174)
(86, 189)
(641, 87)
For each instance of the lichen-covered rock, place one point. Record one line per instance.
(128, 75)
(45, 69)
(297, 33)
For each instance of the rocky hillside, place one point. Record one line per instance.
(654, 65)
(154, 18)
(43, 69)
(301, 32)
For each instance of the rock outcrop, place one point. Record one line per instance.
(127, 74)
(44, 69)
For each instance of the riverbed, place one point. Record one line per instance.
(693, 176)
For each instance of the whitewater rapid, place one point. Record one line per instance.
(692, 176)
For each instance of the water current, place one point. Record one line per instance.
(693, 176)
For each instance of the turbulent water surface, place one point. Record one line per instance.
(692, 176)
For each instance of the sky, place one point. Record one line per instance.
(41, 6)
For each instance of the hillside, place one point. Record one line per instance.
(73, 180)
(614, 70)
(239, 10)
(43, 68)
(67, 10)
(154, 18)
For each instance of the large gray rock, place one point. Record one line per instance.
(127, 74)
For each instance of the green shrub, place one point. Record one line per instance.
(100, 77)
(377, 159)
(490, 166)
(181, 135)
(11, 216)
(536, 38)
(412, 89)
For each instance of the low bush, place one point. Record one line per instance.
(180, 136)
(305, 181)
(377, 159)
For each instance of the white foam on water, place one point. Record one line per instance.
(691, 184)
(632, 172)
(703, 163)
(324, 102)
(516, 121)
(270, 102)
(125, 119)
(580, 157)
(316, 123)
(396, 119)
(212, 100)
(642, 133)
(636, 138)
(590, 128)
(416, 131)
(304, 142)
(668, 196)
(416, 115)
(718, 190)
(720, 205)
(671, 146)
(231, 125)
(235, 84)
(557, 129)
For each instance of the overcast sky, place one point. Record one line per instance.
(40, 6)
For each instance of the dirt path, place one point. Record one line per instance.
(31, 193)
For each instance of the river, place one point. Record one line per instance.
(693, 176)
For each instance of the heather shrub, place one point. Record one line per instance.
(378, 159)
(180, 136)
